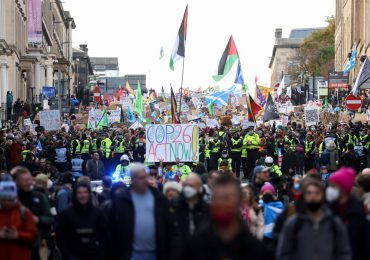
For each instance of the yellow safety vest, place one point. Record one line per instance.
(85, 147)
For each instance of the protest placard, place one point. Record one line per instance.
(50, 120)
(212, 123)
(114, 116)
(311, 115)
(168, 142)
(246, 124)
(127, 102)
(27, 121)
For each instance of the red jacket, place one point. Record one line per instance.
(17, 249)
(15, 154)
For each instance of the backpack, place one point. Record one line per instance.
(325, 158)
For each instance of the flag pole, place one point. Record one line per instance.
(181, 88)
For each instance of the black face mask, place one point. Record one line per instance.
(267, 198)
(313, 206)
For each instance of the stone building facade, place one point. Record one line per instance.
(26, 67)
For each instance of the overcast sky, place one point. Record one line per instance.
(134, 31)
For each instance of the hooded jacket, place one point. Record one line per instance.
(80, 232)
(302, 239)
(17, 249)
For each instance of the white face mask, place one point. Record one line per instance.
(332, 194)
(189, 192)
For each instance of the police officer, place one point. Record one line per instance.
(252, 142)
(181, 169)
(139, 148)
(85, 148)
(225, 160)
(26, 151)
(75, 147)
(121, 173)
(77, 169)
(214, 147)
(119, 147)
(275, 172)
(236, 153)
(106, 150)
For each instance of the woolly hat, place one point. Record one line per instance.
(171, 185)
(344, 178)
(268, 187)
(8, 189)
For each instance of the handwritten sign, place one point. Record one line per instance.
(50, 120)
(168, 142)
(127, 102)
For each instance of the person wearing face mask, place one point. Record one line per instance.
(252, 142)
(224, 236)
(271, 210)
(187, 213)
(313, 233)
(225, 160)
(348, 208)
(236, 152)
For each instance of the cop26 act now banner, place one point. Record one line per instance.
(168, 142)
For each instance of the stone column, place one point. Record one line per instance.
(2, 19)
(37, 78)
(49, 72)
(4, 85)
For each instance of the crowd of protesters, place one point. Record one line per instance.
(260, 193)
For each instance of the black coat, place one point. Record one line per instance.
(208, 246)
(180, 219)
(81, 232)
(289, 162)
(354, 218)
(121, 230)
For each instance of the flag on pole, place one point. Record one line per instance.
(130, 116)
(104, 120)
(254, 110)
(210, 107)
(256, 80)
(281, 86)
(129, 89)
(139, 100)
(178, 51)
(107, 98)
(161, 53)
(270, 110)
(352, 61)
(362, 76)
(174, 108)
(228, 58)
(260, 97)
(222, 97)
(119, 93)
(239, 79)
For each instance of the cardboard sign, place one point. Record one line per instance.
(27, 121)
(212, 123)
(127, 102)
(169, 142)
(114, 116)
(312, 115)
(50, 120)
(246, 124)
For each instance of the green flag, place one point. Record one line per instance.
(139, 100)
(104, 120)
(245, 88)
(210, 108)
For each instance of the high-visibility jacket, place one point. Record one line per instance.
(229, 160)
(365, 140)
(85, 146)
(275, 170)
(309, 146)
(106, 147)
(215, 146)
(24, 154)
(207, 151)
(254, 139)
(61, 154)
(291, 143)
(94, 145)
(77, 165)
(183, 170)
(236, 145)
(76, 146)
(120, 147)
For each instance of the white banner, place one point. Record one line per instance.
(50, 120)
(168, 142)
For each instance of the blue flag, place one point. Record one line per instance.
(130, 116)
(39, 146)
(221, 97)
(271, 211)
(352, 61)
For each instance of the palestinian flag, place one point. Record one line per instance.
(178, 51)
(174, 108)
(254, 110)
(229, 57)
